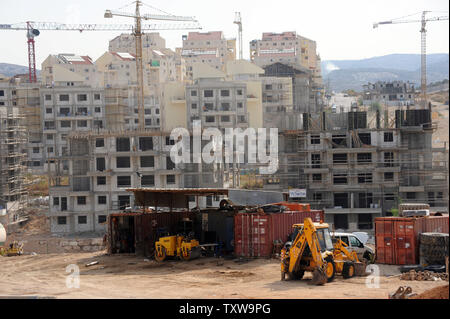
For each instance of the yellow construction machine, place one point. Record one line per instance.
(347, 263)
(182, 245)
(311, 250)
(14, 249)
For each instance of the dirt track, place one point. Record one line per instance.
(133, 277)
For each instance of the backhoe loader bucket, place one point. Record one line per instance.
(319, 277)
(360, 269)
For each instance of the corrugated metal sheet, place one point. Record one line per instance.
(255, 233)
(397, 238)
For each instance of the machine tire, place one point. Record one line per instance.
(163, 255)
(296, 275)
(330, 277)
(348, 270)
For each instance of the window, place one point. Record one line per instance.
(82, 97)
(64, 111)
(208, 107)
(49, 149)
(208, 93)
(364, 178)
(169, 141)
(35, 150)
(101, 200)
(96, 97)
(388, 176)
(123, 162)
(239, 92)
(148, 180)
(82, 123)
(340, 158)
(147, 161)
(340, 179)
(410, 195)
(64, 97)
(49, 110)
(101, 164)
(225, 118)
(82, 219)
(315, 139)
(65, 123)
(49, 137)
(101, 180)
(81, 200)
(209, 201)
(317, 177)
(210, 119)
(240, 105)
(170, 179)
(225, 106)
(364, 158)
(123, 144)
(193, 105)
(98, 109)
(123, 181)
(100, 142)
(317, 196)
(389, 197)
(388, 159)
(225, 93)
(62, 220)
(388, 136)
(148, 111)
(365, 138)
(55, 201)
(101, 219)
(2, 93)
(315, 160)
(169, 164)
(193, 93)
(146, 143)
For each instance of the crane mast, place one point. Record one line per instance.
(238, 21)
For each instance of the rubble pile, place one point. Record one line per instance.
(423, 276)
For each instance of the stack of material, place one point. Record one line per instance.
(433, 248)
(424, 275)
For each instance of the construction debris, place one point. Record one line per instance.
(92, 264)
(423, 276)
(402, 293)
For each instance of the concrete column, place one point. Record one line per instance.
(351, 200)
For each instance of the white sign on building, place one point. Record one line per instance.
(297, 193)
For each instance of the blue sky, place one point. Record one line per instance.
(342, 29)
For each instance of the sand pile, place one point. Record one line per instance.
(440, 292)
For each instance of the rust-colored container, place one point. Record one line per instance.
(397, 238)
(294, 206)
(281, 224)
(252, 235)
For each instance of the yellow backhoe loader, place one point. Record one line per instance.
(311, 250)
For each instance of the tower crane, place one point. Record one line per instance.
(423, 32)
(137, 32)
(238, 21)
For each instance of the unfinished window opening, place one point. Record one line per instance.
(365, 200)
(315, 160)
(208, 93)
(62, 220)
(388, 136)
(341, 221)
(210, 119)
(147, 161)
(388, 176)
(340, 158)
(123, 181)
(169, 141)
(365, 138)
(123, 162)
(169, 164)
(388, 159)
(81, 200)
(208, 107)
(225, 107)
(101, 219)
(146, 143)
(123, 144)
(365, 221)
(64, 97)
(315, 139)
(364, 178)
(317, 196)
(148, 181)
(225, 93)
(317, 177)
(339, 141)
(170, 179)
(82, 220)
(101, 200)
(99, 142)
(55, 201)
(389, 197)
(124, 201)
(340, 179)
(101, 164)
(101, 180)
(410, 195)
(364, 158)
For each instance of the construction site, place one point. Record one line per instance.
(93, 203)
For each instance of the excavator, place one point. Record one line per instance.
(312, 250)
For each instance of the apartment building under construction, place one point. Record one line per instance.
(359, 165)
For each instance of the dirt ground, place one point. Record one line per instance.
(128, 276)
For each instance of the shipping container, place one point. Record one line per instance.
(254, 234)
(397, 238)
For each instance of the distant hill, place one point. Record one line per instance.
(352, 74)
(13, 69)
